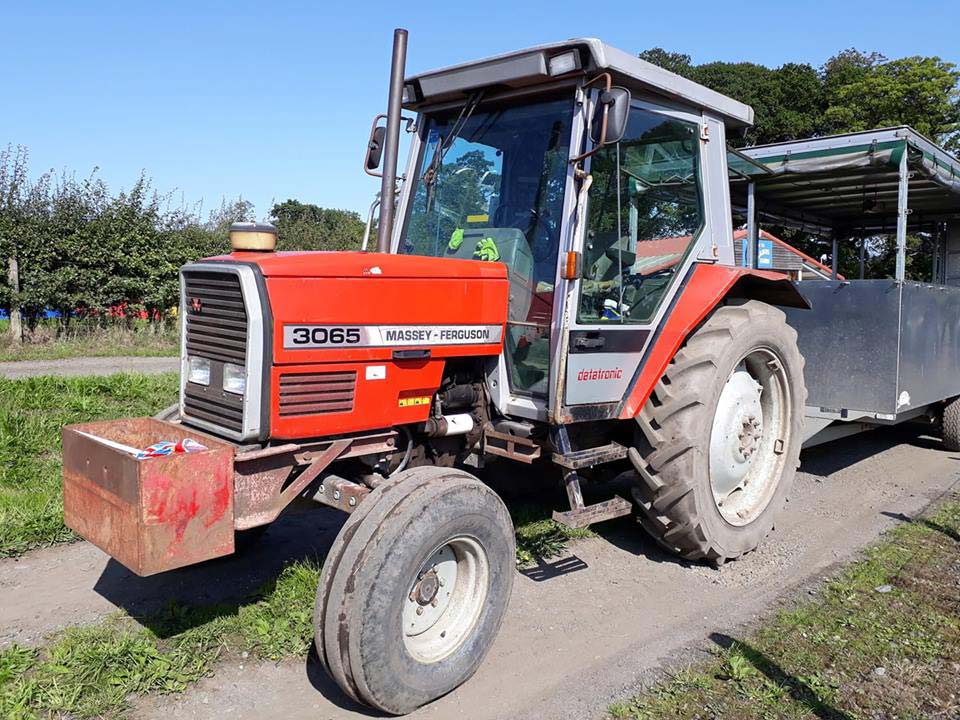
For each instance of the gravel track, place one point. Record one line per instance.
(72, 367)
(583, 630)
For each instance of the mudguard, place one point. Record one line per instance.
(704, 288)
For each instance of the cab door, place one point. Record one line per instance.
(646, 222)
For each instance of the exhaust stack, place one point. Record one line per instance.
(392, 144)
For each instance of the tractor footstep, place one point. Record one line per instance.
(590, 514)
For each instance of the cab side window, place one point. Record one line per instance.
(645, 212)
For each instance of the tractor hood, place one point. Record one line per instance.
(364, 264)
(350, 341)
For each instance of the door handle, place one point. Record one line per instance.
(589, 343)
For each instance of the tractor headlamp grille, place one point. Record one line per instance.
(215, 329)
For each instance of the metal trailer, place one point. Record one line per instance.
(877, 351)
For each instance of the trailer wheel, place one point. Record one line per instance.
(950, 425)
(719, 439)
(418, 590)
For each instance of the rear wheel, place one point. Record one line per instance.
(719, 439)
(416, 595)
(950, 425)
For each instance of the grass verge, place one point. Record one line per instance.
(880, 640)
(32, 411)
(46, 343)
(94, 671)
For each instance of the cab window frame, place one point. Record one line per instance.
(700, 157)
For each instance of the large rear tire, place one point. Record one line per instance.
(414, 598)
(719, 439)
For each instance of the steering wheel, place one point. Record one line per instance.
(637, 279)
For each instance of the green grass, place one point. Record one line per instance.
(94, 671)
(539, 537)
(851, 652)
(32, 412)
(47, 343)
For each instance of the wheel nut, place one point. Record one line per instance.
(420, 610)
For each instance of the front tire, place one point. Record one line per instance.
(416, 596)
(719, 439)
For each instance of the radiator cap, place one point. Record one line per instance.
(248, 236)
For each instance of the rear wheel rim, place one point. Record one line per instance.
(748, 437)
(445, 599)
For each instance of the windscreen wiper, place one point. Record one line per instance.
(430, 174)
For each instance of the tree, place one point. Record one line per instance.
(917, 91)
(679, 63)
(852, 91)
(304, 226)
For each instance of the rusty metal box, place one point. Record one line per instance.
(153, 514)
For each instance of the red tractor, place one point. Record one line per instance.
(554, 283)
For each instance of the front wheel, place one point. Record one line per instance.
(415, 597)
(719, 439)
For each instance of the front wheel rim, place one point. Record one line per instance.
(749, 435)
(445, 599)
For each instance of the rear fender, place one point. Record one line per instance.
(705, 287)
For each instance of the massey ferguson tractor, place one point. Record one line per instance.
(554, 284)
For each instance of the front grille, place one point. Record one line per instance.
(215, 328)
(216, 317)
(317, 393)
(212, 404)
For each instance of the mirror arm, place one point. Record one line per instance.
(608, 83)
(410, 126)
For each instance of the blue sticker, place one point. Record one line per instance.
(764, 253)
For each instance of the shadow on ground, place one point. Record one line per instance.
(797, 688)
(324, 684)
(222, 584)
(926, 522)
(824, 460)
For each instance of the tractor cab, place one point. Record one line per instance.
(585, 171)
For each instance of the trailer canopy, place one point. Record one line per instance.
(892, 180)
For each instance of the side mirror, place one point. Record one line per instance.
(378, 134)
(610, 118)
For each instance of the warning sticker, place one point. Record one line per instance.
(410, 401)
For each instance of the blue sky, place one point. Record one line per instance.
(274, 100)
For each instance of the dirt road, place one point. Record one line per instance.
(89, 366)
(583, 630)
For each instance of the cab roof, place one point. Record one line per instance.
(532, 66)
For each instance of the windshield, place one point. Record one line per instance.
(498, 192)
(490, 183)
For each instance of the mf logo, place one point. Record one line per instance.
(196, 305)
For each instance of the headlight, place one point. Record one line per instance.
(234, 378)
(198, 370)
